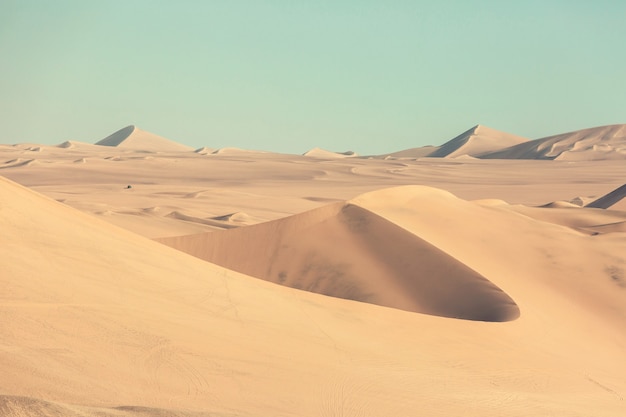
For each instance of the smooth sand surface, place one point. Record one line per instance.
(319, 285)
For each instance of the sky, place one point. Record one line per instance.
(287, 76)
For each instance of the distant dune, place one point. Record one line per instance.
(204, 150)
(598, 143)
(473, 142)
(322, 153)
(134, 138)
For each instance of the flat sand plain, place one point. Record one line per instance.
(155, 280)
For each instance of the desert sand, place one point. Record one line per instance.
(141, 277)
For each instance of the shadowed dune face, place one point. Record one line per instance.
(345, 251)
(117, 138)
(609, 199)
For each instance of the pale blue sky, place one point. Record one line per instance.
(286, 76)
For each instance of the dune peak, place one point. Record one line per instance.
(133, 138)
(474, 142)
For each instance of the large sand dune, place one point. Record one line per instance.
(347, 251)
(131, 137)
(474, 142)
(594, 144)
(598, 143)
(98, 320)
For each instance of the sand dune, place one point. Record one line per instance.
(477, 141)
(473, 142)
(322, 153)
(34, 148)
(345, 251)
(484, 234)
(68, 144)
(598, 143)
(204, 151)
(132, 137)
(278, 252)
(234, 151)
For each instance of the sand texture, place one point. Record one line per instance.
(142, 278)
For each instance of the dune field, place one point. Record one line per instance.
(482, 277)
